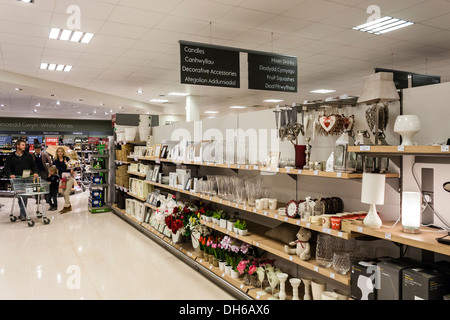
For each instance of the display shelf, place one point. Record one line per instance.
(425, 240)
(255, 232)
(130, 142)
(272, 214)
(277, 249)
(136, 196)
(150, 206)
(123, 162)
(142, 175)
(121, 188)
(295, 172)
(187, 253)
(254, 293)
(399, 150)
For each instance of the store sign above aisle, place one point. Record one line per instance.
(207, 66)
(272, 72)
(212, 65)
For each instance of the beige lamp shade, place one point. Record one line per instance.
(379, 87)
(373, 188)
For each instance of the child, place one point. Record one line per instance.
(52, 198)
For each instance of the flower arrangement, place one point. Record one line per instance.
(174, 222)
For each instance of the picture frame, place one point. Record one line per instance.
(188, 186)
(155, 173)
(149, 176)
(163, 154)
(150, 197)
(155, 198)
(157, 150)
(274, 160)
(149, 152)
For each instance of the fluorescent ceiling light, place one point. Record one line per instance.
(238, 107)
(55, 67)
(140, 91)
(69, 35)
(323, 91)
(211, 112)
(159, 100)
(383, 25)
(179, 94)
(273, 100)
(26, 1)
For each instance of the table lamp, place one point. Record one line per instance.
(411, 212)
(379, 89)
(373, 188)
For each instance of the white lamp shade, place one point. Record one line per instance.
(373, 188)
(411, 210)
(379, 87)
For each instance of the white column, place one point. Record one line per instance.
(192, 109)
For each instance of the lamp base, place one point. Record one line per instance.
(372, 220)
(410, 230)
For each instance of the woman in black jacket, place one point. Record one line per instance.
(60, 162)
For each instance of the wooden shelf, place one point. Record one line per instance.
(142, 175)
(135, 196)
(272, 214)
(294, 172)
(425, 240)
(407, 150)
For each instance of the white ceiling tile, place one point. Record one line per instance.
(59, 20)
(283, 25)
(165, 6)
(289, 42)
(270, 6)
(317, 31)
(348, 18)
(315, 9)
(411, 32)
(245, 18)
(221, 31)
(424, 11)
(442, 22)
(179, 24)
(25, 15)
(389, 7)
(122, 30)
(255, 37)
(88, 8)
(200, 10)
(135, 17)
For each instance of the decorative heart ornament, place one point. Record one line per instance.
(328, 123)
(349, 122)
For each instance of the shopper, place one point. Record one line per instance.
(52, 197)
(15, 165)
(66, 175)
(43, 161)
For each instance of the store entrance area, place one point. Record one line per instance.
(87, 256)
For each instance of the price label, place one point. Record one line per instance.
(254, 210)
(266, 213)
(223, 275)
(242, 286)
(332, 275)
(299, 222)
(257, 297)
(158, 161)
(300, 171)
(255, 168)
(340, 234)
(316, 172)
(444, 148)
(388, 236)
(275, 216)
(201, 260)
(316, 268)
(339, 174)
(229, 166)
(364, 148)
(286, 219)
(288, 170)
(360, 229)
(247, 167)
(245, 207)
(401, 148)
(257, 244)
(210, 267)
(326, 230)
(308, 225)
(291, 258)
(237, 205)
(277, 170)
(238, 166)
(220, 201)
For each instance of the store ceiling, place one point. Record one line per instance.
(136, 47)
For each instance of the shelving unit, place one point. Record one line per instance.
(400, 151)
(294, 172)
(103, 186)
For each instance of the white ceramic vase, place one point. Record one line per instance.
(317, 287)
(307, 283)
(407, 126)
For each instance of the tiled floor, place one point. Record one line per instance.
(84, 256)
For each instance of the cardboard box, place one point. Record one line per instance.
(363, 280)
(391, 281)
(423, 284)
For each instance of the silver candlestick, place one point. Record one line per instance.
(308, 154)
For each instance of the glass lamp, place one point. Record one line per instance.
(373, 189)
(411, 212)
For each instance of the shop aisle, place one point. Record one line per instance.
(85, 256)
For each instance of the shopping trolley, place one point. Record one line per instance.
(30, 187)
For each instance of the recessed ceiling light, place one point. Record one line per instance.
(323, 91)
(238, 107)
(159, 100)
(140, 91)
(79, 112)
(70, 35)
(273, 100)
(18, 89)
(26, 1)
(38, 104)
(55, 67)
(211, 112)
(58, 102)
(383, 25)
(179, 94)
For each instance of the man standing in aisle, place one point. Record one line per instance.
(15, 165)
(43, 161)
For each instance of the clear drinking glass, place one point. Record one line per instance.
(341, 262)
(250, 189)
(324, 250)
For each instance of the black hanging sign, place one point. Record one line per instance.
(272, 72)
(207, 66)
